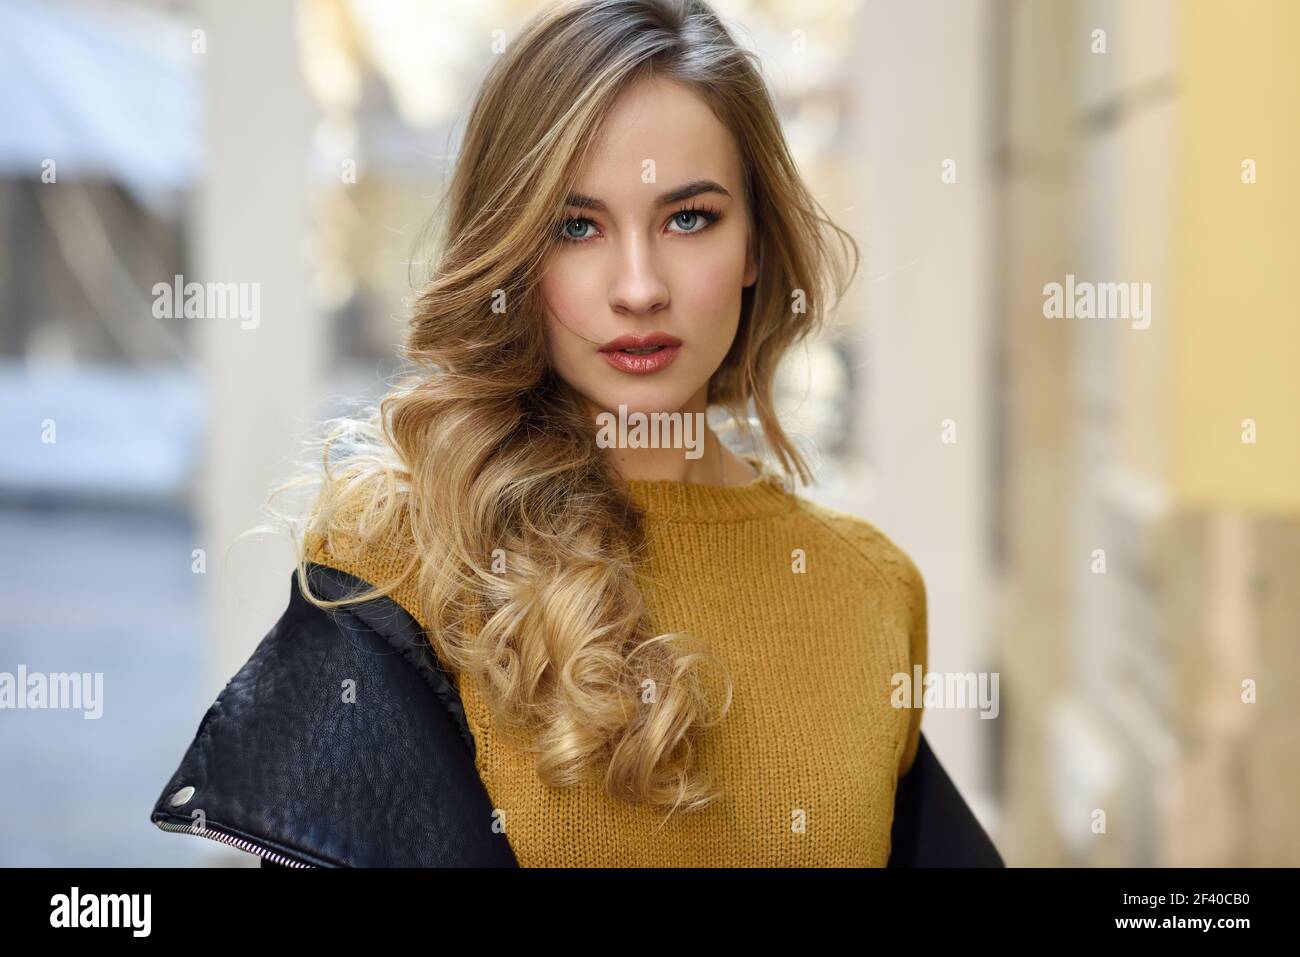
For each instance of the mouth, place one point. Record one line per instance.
(639, 355)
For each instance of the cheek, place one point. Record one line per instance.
(573, 303)
(707, 290)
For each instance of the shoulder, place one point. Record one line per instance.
(897, 575)
(339, 708)
(880, 555)
(371, 543)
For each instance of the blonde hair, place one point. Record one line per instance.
(482, 447)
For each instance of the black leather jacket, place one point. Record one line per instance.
(284, 766)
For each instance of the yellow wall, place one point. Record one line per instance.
(1236, 332)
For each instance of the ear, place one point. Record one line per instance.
(751, 264)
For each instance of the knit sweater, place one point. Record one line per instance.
(813, 611)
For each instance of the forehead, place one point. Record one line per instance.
(663, 121)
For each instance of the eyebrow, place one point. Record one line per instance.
(693, 188)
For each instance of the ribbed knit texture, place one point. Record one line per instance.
(809, 755)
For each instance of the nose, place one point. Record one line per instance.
(638, 287)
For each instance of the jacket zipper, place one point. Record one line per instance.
(216, 834)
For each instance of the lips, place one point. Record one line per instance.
(624, 343)
(639, 355)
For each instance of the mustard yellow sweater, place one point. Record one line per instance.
(814, 611)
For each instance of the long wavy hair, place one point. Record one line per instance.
(482, 455)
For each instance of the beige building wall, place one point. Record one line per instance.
(1035, 145)
(924, 352)
(1151, 553)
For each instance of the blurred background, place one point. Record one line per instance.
(1106, 511)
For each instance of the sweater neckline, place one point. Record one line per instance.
(672, 500)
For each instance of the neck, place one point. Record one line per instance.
(706, 462)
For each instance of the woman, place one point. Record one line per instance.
(662, 655)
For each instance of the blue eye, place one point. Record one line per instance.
(568, 224)
(689, 218)
(686, 219)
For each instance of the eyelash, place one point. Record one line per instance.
(710, 216)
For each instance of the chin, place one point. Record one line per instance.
(642, 397)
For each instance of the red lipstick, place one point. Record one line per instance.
(639, 355)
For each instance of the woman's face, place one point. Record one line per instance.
(655, 243)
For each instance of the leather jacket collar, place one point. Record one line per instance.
(341, 742)
(289, 765)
